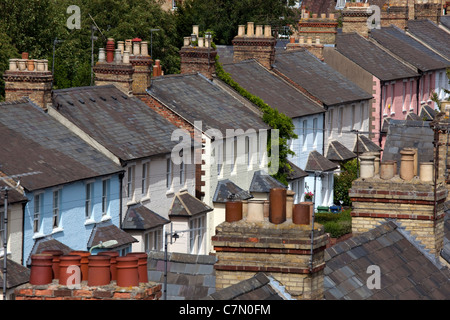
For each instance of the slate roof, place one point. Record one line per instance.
(196, 98)
(445, 21)
(225, 188)
(124, 125)
(318, 78)
(408, 49)
(258, 287)
(16, 274)
(296, 172)
(139, 217)
(44, 145)
(14, 196)
(372, 58)
(364, 144)
(427, 112)
(263, 182)
(274, 91)
(189, 277)
(105, 231)
(428, 32)
(409, 134)
(47, 243)
(225, 53)
(186, 205)
(317, 162)
(406, 271)
(338, 152)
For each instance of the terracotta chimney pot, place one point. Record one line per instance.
(250, 29)
(110, 47)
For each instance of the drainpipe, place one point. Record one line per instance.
(381, 112)
(121, 175)
(417, 95)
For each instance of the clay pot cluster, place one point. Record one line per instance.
(277, 209)
(97, 270)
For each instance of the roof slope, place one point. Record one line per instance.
(16, 274)
(274, 91)
(408, 49)
(406, 272)
(318, 78)
(186, 205)
(139, 217)
(44, 145)
(196, 98)
(227, 189)
(338, 152)
(124, 125)
(445, 21)
(317, 162)
(263, 182)
(372, 58)
(105, 231)
(431, 34)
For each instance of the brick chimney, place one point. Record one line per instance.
(324, 27)
(28, 78)
(406, 197)
(128, 66)
(315, 47)
(291, 253)
(354, 18)
(250, 45)
(197, 55)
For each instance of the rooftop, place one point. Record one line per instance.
(318, 78)
(226, 188)
(139, 217)
(125, 125)
(317, 162)
(372, 58)
(44, 145)
(186, 205)
(406, 272)
(196, 98)
(428, 32)
(263, 182)
(408, 49)
(274, 91)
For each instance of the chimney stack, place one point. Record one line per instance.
(198, 58)
(257, 46)
(293, 253)
(28, 78)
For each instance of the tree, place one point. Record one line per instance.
(343, 181)
(224, 16)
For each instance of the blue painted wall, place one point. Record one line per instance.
(74, 229)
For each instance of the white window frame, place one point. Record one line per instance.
(153, 240)
(341, 120)
(37, 211)
(105, 195)
(56, 208)
(197, 234)
(169, 173)
(411, 86)
(315, 129)
(88, 204)
(145, 178)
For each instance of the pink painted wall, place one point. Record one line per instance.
(400, 98)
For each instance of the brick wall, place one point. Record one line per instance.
(119, 74)
(35, 85)
(258, 48)
(355, 20)
(315, 49)
(324, 28)
(244, 249)
(142, 73)
(53, 291)
(198, 59)
(410, 202)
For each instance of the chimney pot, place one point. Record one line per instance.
(187, 41)
(255, 210)
(22, 64)
(259, 30)
(301, 40)
(117, 56)
(233, 210)
(200, 42)
(195, 30)
(317, 40)
(277, 209)
(241, 30)
(126, 56)
(121, 46)
(101, 55)
(110, 50)
(367, 168)
(292, 39)
(267, 31)
(331, 16)
(13, 64)
(136, 48)
(25, 55)
(323, 15)
(40, 65)
(407, 164)
(426, 171)
(309, 40)
(250, 29)
(144, 48)
(129, 46)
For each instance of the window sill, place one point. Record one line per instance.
(132, 202)
(145, 199)
(38, 235)
(170, 192)
(184, 188)
(56, 230)
(89, 221)
(106, 218)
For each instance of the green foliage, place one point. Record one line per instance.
(337, 224)
(224, 16)
(272, 117)
(7, 51)
(343, 181)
